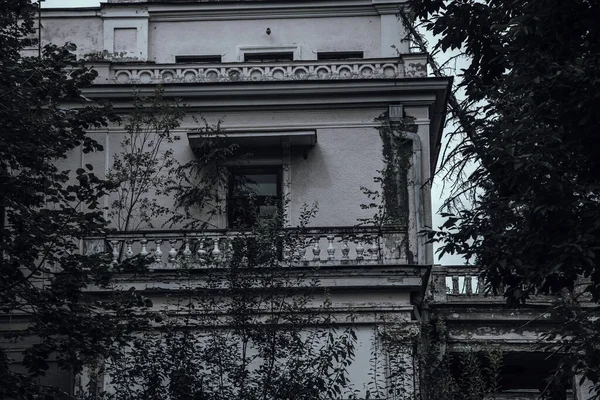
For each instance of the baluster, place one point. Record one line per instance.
(478, 286)
(144, 251)
(330, 248)
(368, 249)
(316, 250)
(400, 248)
(455, 289)
(115, 251)
(296, 253)
(287, 250)
(129, 251)
(201, 252)
(374, 250)
(345, 250)
(468, 285)
(244, 251)
(216, 252)
(158, 252)
(360, 250)
(303, 251)
(187, 253)
(228, 248)
(173, 251)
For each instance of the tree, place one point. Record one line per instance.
(47, 211)
(245, 326)
(529, 130)
(140, 171)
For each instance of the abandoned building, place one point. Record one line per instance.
(302, 87)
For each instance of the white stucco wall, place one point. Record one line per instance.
(85, 32)
(347, 155)
(224, 37)
(162, 33)
(343, 160)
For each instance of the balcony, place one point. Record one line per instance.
(314, 247)
(407, 66)
(455, 282)
(463, 285)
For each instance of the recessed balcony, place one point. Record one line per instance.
(406, 66)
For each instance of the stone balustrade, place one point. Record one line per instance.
(408, 66)
(450, 282)
(203, 249)
(463, 281)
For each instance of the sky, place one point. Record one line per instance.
(437, 194)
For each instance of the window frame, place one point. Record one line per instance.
(292, 48)
(240, 170)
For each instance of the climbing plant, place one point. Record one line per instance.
(421, 366)
(389, 201)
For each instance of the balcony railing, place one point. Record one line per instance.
(456, 282)
(409, 66)
(205, 249)
(463, 284)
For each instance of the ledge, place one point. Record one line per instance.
(408, 66)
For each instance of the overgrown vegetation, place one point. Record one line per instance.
(391, 201)
(469, 374)
(141, 171)
(249, 327)
(45, 212)
(527, 156)
(246, 325)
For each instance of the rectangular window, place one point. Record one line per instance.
(277, 56)
(198, 59)
(340, 55)
(254, 195)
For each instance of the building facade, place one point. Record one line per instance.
(303, 89)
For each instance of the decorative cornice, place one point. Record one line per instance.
(410, 66)
(286, 95)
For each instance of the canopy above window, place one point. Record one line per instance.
(260, 139)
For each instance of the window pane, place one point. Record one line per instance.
(254, 196)
(255, 185)
(339, 55)
(198, 59)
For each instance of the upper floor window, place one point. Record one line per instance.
(339, 55)
(277, 56)
(198, 59)
(254, 195)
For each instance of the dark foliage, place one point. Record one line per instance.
(46, 211)
(531, 131)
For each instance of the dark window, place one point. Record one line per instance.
(340, 55)
(254, 196)
(524, 373)
(269, 57)
(197, 59)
